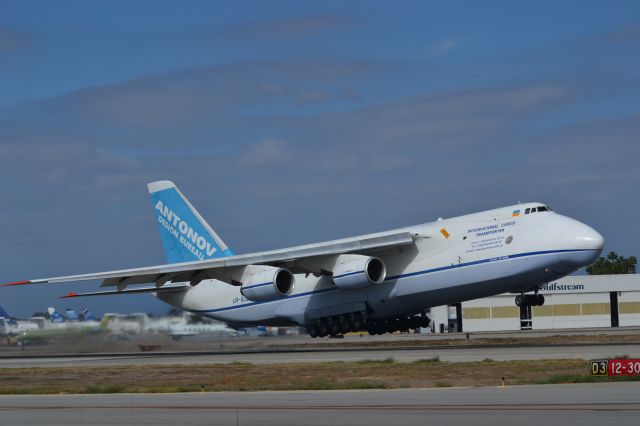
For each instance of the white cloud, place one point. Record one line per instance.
(265, 152)
(443, 47)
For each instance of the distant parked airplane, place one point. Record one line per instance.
(7, 318)
(72, 315)
(11, 326)
(380, 282)
(86, 315)
(55, 316)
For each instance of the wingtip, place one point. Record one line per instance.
(69, 295)
(15, 283)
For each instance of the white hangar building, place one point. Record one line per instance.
(571, 302)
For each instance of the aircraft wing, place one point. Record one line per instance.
(298, 259)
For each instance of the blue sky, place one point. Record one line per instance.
(292, 122)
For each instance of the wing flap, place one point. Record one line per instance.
(167, 289)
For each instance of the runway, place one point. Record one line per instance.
(604, 403)
(452, 354)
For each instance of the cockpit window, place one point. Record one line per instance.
(537, 209)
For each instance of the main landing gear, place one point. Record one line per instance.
(338, 324)
(398, 324)
(358, 321)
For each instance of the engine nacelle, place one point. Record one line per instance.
(354, 271)
(261, 283)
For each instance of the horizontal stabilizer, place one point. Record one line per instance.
(129, 291)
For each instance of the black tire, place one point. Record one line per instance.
(346, 326)
(404, 324)
(520, 299)
(335, 327)
(374, 328)
(415, 322)
(539, 300)
(313, 331)
(323, 329)
(357, 324)
(424, 322)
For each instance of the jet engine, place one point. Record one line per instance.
(261, 283)
(354, 271)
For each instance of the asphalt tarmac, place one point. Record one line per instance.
(452, 354)
(579, 404)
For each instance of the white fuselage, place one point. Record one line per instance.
(452, 260)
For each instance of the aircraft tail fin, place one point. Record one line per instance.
(87, 315)
(55, 315)
(186, 236)
(72, 315)
(4, 314)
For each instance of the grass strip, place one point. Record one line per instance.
(364, 374)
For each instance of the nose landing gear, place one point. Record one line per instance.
(529, 300)
(525, 302)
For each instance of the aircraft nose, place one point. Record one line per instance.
(583, 243)
(577, 235)
(591, 239)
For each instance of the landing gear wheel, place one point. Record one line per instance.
(404, 325)
(346, 326)
(357, 324)
(335, 328)
(424, 322)
(357, 321)
(374, 329)
(313, 331)
(520, 300)
(539, 300)
(323, 329)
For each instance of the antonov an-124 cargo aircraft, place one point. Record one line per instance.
(380, 282)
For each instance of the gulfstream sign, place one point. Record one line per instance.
(185, 234)
(562, 287)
